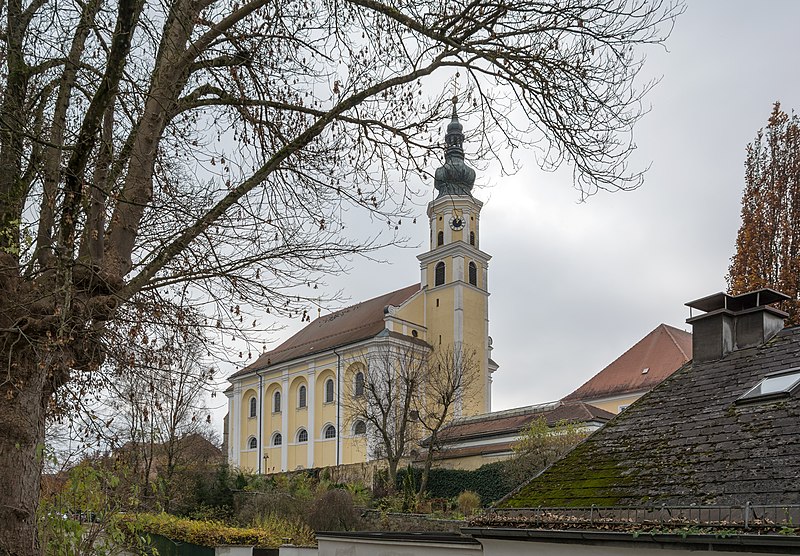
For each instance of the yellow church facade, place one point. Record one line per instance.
(293, 408)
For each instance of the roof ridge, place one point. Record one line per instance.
(343, 309)
(320, 338)
(674, 341)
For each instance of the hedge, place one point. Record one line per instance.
(271, 534)
(490, 481)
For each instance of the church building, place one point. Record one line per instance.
(290, 409)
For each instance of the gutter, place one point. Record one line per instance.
(723, 541)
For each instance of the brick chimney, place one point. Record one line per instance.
(732, 322)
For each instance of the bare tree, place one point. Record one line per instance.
(162, 421)
(452, 373)
(146, 146)
(395, 375)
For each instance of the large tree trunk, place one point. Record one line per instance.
(22, 419)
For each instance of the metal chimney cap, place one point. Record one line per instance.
(748, 300)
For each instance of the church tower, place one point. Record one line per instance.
(455, 272)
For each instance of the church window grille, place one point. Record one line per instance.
(301, 396)
(439, 274)
(276, 402)
(329, 432)
(473, 274)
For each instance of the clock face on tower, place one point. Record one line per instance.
(457, 223)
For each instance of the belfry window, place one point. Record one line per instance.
(440, 239)
(473, 274)
(472, 238)
(438, 279)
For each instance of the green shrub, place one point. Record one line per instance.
(491, 481)
(468, 502)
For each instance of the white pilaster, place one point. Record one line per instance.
(312, 426)
(285, 421)
(236, 426)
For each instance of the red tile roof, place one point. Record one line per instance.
(514, 420)
(346, 326)
(510, 422)
(662, 352)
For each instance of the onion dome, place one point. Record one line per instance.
(454, 177)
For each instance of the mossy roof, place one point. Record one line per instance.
(688, 442)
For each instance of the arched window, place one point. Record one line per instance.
(329, 432)
(473, 274)
(359, 384)
(359, 428)
(276, 402)
(277, 439)
(301, 396)
(253, 406)
(252, 443)
(440, 239)
(472, 238)
(329, 390)
(302, 435)
(438, 279)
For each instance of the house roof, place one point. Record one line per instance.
(509, 422)
(661, 352)
(514, 420)
(345, 326)
(689, 442)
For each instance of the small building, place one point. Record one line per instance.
(707, 460)
(470, 442)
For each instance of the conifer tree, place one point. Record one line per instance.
(768, 243)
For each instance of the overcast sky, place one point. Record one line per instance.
(575, 285)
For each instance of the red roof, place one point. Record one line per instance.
(662, 352)
(346, 326)
(512, 421)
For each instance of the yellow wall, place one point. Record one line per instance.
(613, 405)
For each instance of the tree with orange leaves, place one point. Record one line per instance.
(768, 243)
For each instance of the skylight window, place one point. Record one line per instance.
(774, 385)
